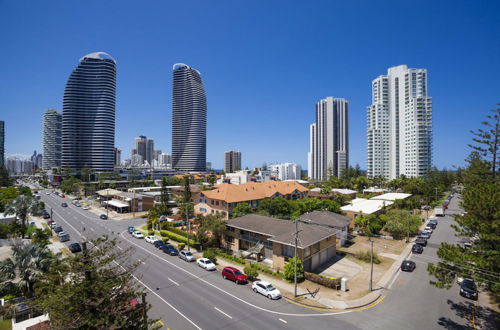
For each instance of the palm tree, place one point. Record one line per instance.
(26, 267)
(21, 206)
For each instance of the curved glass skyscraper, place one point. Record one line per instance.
(189, 120)
(88, 122)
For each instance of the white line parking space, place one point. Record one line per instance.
(171, 280)
(283, 321)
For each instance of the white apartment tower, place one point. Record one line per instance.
(287, 171)
(329, 139)
(399, 124)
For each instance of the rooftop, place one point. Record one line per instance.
(326, 218)
(391, 196)
(365, 206)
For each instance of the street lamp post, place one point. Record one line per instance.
(107, 202)
(295, 257)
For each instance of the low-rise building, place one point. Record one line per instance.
(274, 239)
(332, 220)
(391, 197)
(361, 206)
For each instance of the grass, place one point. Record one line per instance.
(6, 324)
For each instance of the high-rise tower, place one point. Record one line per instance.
(232, 161)
(144, 147)
(88, 120)
(189, 120)
(2, 143)
(51, 145)
(399, 124)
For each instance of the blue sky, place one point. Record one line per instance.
(264, 64)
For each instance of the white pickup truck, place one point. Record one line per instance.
(439, 211)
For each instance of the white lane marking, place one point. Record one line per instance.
(171, 280)
(228, 293)
(119, 247)
(283, 321)
(92, 229)
(223, 313)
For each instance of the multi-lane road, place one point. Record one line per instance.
(185, 296)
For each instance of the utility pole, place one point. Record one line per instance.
(133, 205)
(295, 257)
(188, 224)
(371, 265)
(436, 189)
(107, 202)
(144, 311)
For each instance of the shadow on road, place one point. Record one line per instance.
(484, 317)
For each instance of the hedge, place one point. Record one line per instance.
(230, 257)
(332, 283)
(178, 238)
(266, 270)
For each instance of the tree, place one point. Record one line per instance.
(26, 267)
(5, 180)
(70, 186)
(22, 206)
(156, 212)
(289, 272)
(489, 141)
(93, 290)
(370, 224)
(171, 181)
(241, 209)
(276, 207)
(210, 230)
(401, 223)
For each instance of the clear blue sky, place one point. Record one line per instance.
(264, 65)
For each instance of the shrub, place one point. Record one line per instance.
(251, 273)
(151, 233)
(365, 256)
(265, 269)
(210, 254)
(181, 246)
(229, 257)
(332, 283)
(177, 238)
(165, 240)
(290, 270)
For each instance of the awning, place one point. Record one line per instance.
(116, 203)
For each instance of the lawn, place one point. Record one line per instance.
(6, 325)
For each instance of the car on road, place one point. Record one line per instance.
(62, 195)
(131, 229)
(58, 229)
(169, 249)
(417, 248)
(47, 193)
(75, 247)
(234, 274)
(266, 289)
(186, 255)
(421, 241)
(151, 239)
(408, 266)
(46, 216)
(64, 204)
(158, 244)
(205, 263)
(137, 234)
(425, 234)
(103, 217)
(85, 207)
(63, 236)
(468, 289)
(78, 204)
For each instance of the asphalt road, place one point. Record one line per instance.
(185, 296)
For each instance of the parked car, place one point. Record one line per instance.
(58, 229)
(417, 248)
(137, 234)
(234, 274)
(468, 289)
(408, 266)
(75, 247)
(206, 264)
(62, 195)
(431, 225)
(53, 225)
(186, 255)
(64, 205)
(131, 229)
(433, 220)
(77, 204)
(421, 241)
(425, 234)
(158, 244)
(50, 222)
(169, 249)
(151, 239)
(46, 216)
(266, 289)
(63, 236)
(103, 217)
(428, 228)
(85, 207)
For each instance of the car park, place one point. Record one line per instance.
(151, 239)
(75, 247)
(131, 229)
(468, 289)
(266, 289)
(137, 234)
(64, 204)
(417, 248)
(234, 274)
(103, 217)
(186, 255)
(205, 263)
(421, 241)
(158, 244)
(169, 249)
(408, 266)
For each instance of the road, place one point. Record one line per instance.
(185, 296)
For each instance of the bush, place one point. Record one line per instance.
(365, 256)
(229, 257)
(332, 283)
(165, 240)
(151, 233)
(181, 246)
(177, 238)
(289, 274)
(210, 254)
(251, 273)
(266, 270)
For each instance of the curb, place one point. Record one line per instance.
(367, 304)
(326, 309)
(307, 305)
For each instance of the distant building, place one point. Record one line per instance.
(232, 161)
(144, 147)
(2, 143)
(19, 166)
(209, 166)
(52, 139)
(118, 156)
(329, 139)
(287, 171)
(36, 160)
(136, 160)
(165, 160)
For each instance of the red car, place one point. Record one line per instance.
(50, 222)
(234, 274)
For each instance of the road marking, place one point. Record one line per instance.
(223, 313)
(283, 321)
(171, 280)
(119, 247)
(92, 229)
(474, 316)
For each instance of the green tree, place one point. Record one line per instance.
(171, 181)
(251, 273)
(488, 141)
(241, 209)
(370, 224)
(22, 206)
(400, 223)
(276, 207)
(24, 270)
(70, 186)
(156, 212)
(289, 272)
(5, 180)
(210, 230)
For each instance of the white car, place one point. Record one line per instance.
(151, 239)
(206, 264)
(85, 207)
(266, 289)
(137, 234)
(428, 230)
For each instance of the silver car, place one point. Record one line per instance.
(186, 255)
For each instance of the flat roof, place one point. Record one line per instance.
(366, 206)
(117, 203)
(391, 196)
(345, 191)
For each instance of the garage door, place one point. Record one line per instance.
(315, 261)
(323, 256)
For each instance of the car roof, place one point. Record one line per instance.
(231, 268)
(264, 283)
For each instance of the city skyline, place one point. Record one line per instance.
(278, 85)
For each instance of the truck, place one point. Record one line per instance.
(439, 211)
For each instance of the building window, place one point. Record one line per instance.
(204, 210)
(288, 251)
(314, 248)
(228, 239)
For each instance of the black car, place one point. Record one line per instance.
(417, 248)
(170, 249)
(64, 205)
(421, 241)
(58, 229)
(432, 225)
(408, 266)
(103, 216)
(433, 221)
(468, 289)
(75, 247)
(159, 244)
(46, 216)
